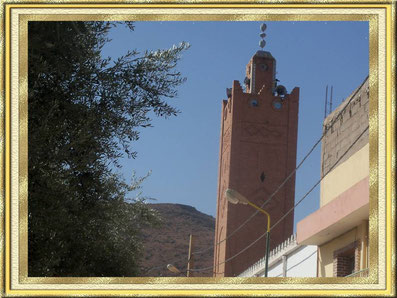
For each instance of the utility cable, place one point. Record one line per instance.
(318, 182)
(326, 129)
(297, 264)
(289, 211)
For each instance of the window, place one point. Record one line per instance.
(264, 67)
(254, 103)
(277, 105)
(347, 260)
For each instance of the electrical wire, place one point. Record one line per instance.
(319, 181)
(289, 211)
(326, 129)
(174, 263)
(297, 264)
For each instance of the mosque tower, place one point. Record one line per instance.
(258, 144)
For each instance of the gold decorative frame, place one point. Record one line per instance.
(13, 138)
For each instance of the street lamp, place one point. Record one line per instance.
(235, 197)
(172, 268)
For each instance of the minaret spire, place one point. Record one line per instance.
(262, 42)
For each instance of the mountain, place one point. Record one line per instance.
(169, 244)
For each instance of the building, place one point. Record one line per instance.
(257, 152)
(288, 259)
(340, 226)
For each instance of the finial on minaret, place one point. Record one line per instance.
(262, 42)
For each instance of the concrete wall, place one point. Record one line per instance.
(303, 262)
(275, 270)
(341, 214)
(351, 169)
(345, 175)
(345, 181)
(299, 263)
(287, 260)
(326, 251)
(346, 128)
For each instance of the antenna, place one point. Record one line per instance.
(330, 101)
(326, 102)
(262, 42)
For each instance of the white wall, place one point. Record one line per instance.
(301, 261)
(274, 270)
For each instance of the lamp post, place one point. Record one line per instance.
(189, 271)
(235, 197)
(173, 269)
(190, 257)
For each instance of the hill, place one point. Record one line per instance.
(170, 242)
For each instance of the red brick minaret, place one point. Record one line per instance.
(257, 152)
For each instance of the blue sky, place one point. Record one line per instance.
(182, 152)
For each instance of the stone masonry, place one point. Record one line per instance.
(346, 128)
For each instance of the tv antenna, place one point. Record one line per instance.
(326, 112)
(326, 102)
(330, 101)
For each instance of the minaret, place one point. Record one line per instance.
(257, 152)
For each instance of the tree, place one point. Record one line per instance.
(84, 112)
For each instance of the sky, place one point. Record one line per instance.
(182, 152)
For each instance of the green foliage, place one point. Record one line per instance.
(84, 111)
